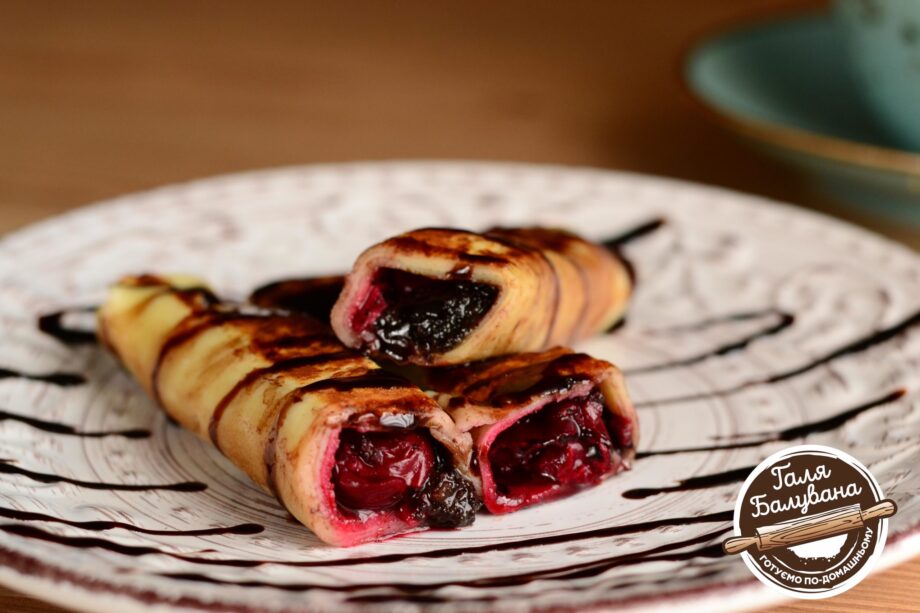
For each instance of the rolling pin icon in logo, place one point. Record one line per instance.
(810, 520)
(810, 528)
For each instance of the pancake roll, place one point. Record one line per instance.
(355, 453)
(544, 425)
(435, 296)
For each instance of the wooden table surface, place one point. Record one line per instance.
(98, 99)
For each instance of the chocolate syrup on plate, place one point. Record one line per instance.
(105, 525)
(789, 434)
(628, 236)
(10, 468)
(565, 572)
(785, 321)
(57, 428)
(857, 346)
(612, 531)
(52, 324)
(63, 379)
(699, 482)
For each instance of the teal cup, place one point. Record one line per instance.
(883, 51)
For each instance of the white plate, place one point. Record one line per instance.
(718, 254)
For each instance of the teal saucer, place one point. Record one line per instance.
(784, 85)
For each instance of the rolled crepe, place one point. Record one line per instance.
(544, 425)
(355, 453)
(441, 296)
(311, 295)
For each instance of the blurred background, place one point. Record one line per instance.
(102, 98)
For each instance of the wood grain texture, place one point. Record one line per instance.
(103, 98)
(822, 525)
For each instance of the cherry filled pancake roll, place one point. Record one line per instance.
(441, 296)
(544, 425)
(355, 453)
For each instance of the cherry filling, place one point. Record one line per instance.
(405, 472)
(405, 314)
(557, 449)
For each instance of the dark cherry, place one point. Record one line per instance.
(450, 500)
(406, 314)
(564, 445)
(405, 472)
(378, 470)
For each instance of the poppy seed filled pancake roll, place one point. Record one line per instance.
(355, 453)
(439, 296)
(544, 425)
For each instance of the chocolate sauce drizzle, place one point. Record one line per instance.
(314, 296)
(785, 321)
(105, 525)
(57, 428)
(616, 326)
(372, 378)
(35, 532)
(63, 379)
(698, 326)
(564, 573)
(52, 324)
(8, 467)
(857, 346)
(628, 236)
(509, 239)
(255, 375)
(199, 322)
(616, 243)
(405, 242)
(89, 542)
(693, 483)
(710, 551)
(789, 434)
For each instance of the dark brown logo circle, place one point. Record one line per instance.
(809, 521)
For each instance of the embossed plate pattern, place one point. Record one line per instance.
(755, 326)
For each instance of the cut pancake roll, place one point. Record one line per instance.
(311, 295)
(353, 452)
(544, 425)
(438, 296)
